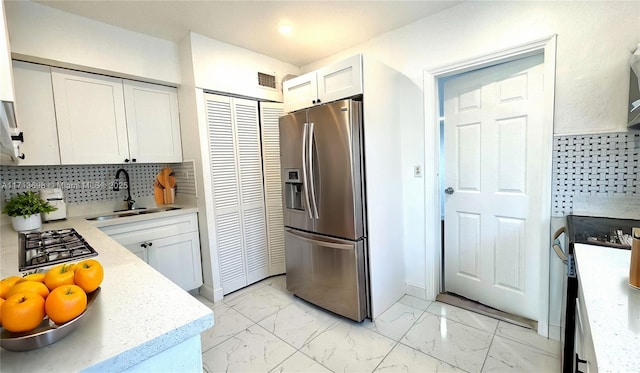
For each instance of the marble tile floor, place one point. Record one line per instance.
(264, 328)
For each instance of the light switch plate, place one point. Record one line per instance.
(417, 171)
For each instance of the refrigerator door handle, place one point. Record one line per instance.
(333, 245)
(304, 169)
(311, 177)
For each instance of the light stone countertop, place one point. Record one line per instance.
(613, 307)
(138, 313)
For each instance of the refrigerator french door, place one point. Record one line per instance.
(324, 210)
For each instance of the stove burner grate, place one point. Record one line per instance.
(39, 249)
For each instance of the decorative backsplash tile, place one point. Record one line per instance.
(92, 183)
(185, 177)
(600, 165)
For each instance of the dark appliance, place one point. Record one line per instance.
(592, 230)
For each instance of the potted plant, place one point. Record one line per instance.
(25, 209)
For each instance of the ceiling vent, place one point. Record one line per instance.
(266, 80)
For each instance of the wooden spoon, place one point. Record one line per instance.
(164, 176)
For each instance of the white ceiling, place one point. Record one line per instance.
(320, 28)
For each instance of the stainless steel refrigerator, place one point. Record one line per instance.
(321, 153)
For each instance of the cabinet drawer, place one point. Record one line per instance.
(151, 229)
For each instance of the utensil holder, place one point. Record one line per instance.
(634, 269)
(158, 195)
(169, 196)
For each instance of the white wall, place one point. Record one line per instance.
(211, 65)
(46, 35)
(594, 42)
(43, 34)
(223, 67)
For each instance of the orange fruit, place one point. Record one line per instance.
(22, 312)
(88, 275)
(65, 303)
(32, 277)
(59, 275)
(1, 303)
(29, 286)
(6, 284)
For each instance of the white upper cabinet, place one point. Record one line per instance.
(92, 126)
(340, 80)
(103, 120)
(152, 122)
(6, 80)
(36, 110)
(334, 82)
(300, 92)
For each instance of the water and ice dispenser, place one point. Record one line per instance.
(293, 189)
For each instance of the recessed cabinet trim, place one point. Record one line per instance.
(91, 118)
(36, 111)
(334, 82)
(107, 120)
(153, 123)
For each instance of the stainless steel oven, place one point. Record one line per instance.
(600, 231)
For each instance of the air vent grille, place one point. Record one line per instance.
(266, 80)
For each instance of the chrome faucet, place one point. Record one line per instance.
(116, 187)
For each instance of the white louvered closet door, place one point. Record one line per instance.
(270, 113)
(238, 202)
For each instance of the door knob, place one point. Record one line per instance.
(449, 190)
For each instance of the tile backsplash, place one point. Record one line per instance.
(600, 165)
(91, 183)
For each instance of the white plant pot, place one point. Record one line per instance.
(29, 223)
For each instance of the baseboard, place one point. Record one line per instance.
(211, 294)
(554, 332)
(416, 290)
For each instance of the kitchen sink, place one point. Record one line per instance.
(134, 212)
(128, 210)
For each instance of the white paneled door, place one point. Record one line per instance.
(493, 220)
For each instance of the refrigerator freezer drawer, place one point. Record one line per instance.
(328, 272)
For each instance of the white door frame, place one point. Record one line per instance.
(433, 266)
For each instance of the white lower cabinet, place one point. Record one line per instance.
(171, 245)
(178, 258)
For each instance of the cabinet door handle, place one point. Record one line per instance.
(144, 245)
(133, 160)
(150, 243)
(126, 160)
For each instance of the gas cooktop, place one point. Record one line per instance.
(41, 249)
(602, 231)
